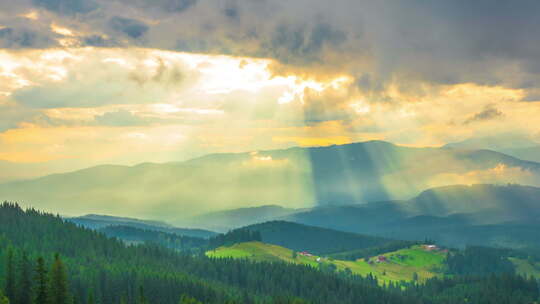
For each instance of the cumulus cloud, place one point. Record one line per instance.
(120, 118)
(17, 32)
(97, 80)
(11, 115)
(382, 43)
(489, 113)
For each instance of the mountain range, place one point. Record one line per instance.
(102, 222)
(511, 144)
(296, 177)
(491, 215)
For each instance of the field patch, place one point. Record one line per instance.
(414, 263)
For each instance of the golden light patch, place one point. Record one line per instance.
(32, 15)
(313, 141)
(264, 161)
(494, 93)
(64, 31)
(499, 174)
(242, 100)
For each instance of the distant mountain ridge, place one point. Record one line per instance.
(100, 222)
(225, 220)
(295, 177)
(122, 220)
(521, 147)
(460, 215)
(314, 239)
(529, 153)
(505, 216)
(501, 142)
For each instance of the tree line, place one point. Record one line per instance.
(46, 260)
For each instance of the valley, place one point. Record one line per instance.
(408, 264)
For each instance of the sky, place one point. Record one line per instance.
(88, 82)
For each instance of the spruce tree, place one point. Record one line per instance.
(10, 276)
(3, 299)
(40, 282)
(185, 299)
(90, 298)
(142, 298)
(58, 286)
(25, 281)
(123, 300)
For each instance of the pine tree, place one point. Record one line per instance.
(90, 298)
(25, 281)
(185, 299)
(58, 290)
(40, 282)
(142, 299)
(3, 299)
(10, 276)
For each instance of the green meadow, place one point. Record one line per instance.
(401, 265)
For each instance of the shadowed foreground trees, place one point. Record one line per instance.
(3, 299)
(60, 263)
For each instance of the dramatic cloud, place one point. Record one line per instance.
(96, 80)
(120, 118)
(489, 113)
(216, 76)
(67, 7)
(131, 27)
(380, 43)
(11, 115)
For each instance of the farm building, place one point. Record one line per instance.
(381, 259)
(431, 247)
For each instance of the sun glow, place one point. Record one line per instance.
(62, 30)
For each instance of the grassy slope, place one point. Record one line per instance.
(401, 266)
(261, 252)
(414, 259)
(524, 267)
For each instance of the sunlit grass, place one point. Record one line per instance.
(526, 268)
(426, 264)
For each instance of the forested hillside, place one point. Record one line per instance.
(317, 240)
(109, 272)
(488, 215)
(94, 221)
(43, 257)
(133, 235)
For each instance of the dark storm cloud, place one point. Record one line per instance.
(488, 42)
(232, 11)
(67, 7)
(177, 5)
(97, 40)
(292, 43)
(131, 27)
(450, 42)
(170, 6)
(15, 38)
(489, 113)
